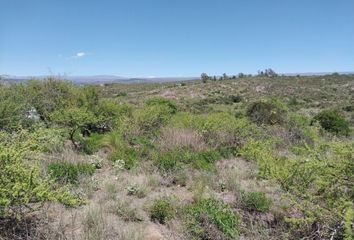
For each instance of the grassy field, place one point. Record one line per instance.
(247, 158)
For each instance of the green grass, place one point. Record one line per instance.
(69, 172)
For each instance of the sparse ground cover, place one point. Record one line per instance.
(248, 158)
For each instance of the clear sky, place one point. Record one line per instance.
(175, 37)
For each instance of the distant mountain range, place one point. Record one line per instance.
(102, 79)
(98, 79)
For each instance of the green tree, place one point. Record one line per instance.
(74, 119)
(13, 108)
(204, 77)
(50, 95)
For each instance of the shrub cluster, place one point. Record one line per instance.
(161, 210)
(21, 181)
(256, 201)
(210, 219)
(332, 121)
(267, 112)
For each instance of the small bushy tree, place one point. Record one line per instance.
(332, 121)
(204, 77)
(74, 119)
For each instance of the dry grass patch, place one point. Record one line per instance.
(172, 138)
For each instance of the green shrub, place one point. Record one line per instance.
(109, 114)
(152, 117)
(169, 161)
(13, 108)
(348, 222)
(163, 102)
(51, 95)
(161, 210)
(256, 201)
(74, 119)
(129, 155)
(49, 139)
(201, 216)
(21, 181)
(267, 112)
(332, 121)
(180, 177)
(69, 172)
(205, 159)
(91, 144)
(121, 94)
(175, 158)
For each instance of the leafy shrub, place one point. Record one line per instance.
(69, 172)
(152, 117)
(256, 201)
(91, 144)
(21, 182)
(319, 179)
(161, 210)
(267, 112)
(210, 218)
(163, 102)
(222, 131)
(180, 177)
(332, 121)
(51, 95)
(74, 119)
(206, 159)
(13, 108)
(109, 114)
(121, 94)
(49, 139)
(129, 155)
(348, 222)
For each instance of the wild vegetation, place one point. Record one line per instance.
(241, 157)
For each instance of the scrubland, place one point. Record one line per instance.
(247, 158)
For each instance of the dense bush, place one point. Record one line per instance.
(161, 210)
(210, 219)
(332, 121)
(109, 114)
(49, 139)
(128, 154)
(70, 172)
(21, 182)
(91, 144)
(13, 108)
(256, 201)
(221, 131)
(319, 179)
(152, 117)
(267, 112)
(74, 119)
(163, 102)
(50, 95)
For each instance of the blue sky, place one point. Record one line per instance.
(175, 37)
